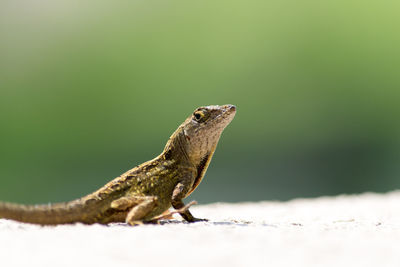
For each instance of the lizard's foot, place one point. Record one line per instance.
(168, 214)
(135, 223)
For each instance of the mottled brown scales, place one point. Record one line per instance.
(144, 193)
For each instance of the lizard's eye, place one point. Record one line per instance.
(198, 116)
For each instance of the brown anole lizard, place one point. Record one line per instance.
(144, 193)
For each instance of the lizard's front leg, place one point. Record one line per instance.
(177, 196)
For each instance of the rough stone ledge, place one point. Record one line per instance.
(356, 230)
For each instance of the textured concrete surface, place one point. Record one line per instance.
(361, 230)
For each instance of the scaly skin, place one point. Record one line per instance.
(143, 193)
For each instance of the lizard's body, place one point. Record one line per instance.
(146, 191)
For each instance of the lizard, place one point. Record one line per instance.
(145, 193)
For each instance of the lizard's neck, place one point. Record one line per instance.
(192, 150)
(177, 148)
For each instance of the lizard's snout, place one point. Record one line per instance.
(231, 108)
(229, 113)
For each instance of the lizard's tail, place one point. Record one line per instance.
(60, 213)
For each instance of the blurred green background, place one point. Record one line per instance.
(90, 89)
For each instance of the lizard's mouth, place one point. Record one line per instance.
(228, 114)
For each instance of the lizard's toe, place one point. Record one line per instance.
(135, 223)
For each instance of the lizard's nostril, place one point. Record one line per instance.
(231, 107)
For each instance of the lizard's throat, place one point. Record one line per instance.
(201, 170)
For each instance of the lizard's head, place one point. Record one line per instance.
(197, 137)
(204, 127)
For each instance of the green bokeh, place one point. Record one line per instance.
(89, 90)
